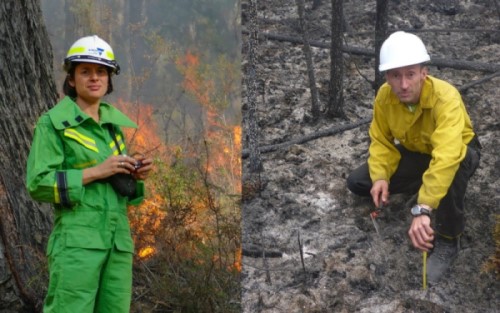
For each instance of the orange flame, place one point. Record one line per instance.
(223, 162)
(146, 252)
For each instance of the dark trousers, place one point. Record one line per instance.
(450, 220)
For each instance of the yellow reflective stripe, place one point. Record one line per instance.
(76, 50)
(112, 145)
(120, 141)
(82, 139)
(57, 199)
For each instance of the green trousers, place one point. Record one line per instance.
(88, 280)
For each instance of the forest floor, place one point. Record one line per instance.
(301, 193)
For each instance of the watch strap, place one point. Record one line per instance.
(418, 210)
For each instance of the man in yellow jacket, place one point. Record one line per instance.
(421, 141)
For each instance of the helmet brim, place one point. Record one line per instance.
(91, 59)
(389, 66)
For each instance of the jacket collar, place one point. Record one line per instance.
(68, 114)
(425, 94)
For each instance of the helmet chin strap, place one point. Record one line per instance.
(116, 70)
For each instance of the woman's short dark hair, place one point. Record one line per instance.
(70, 91)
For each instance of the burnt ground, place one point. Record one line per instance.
(301, 192)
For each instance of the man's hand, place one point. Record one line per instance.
(380, 193)
(421, 233)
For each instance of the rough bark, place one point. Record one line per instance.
(381, 29)
(26, 89)
(306, 48)
(336, 87)
(252, 133)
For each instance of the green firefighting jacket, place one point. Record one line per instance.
(438, 125)
(65, 142)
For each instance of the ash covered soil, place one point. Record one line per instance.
(301, 192)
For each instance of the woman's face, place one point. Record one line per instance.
(90, 81)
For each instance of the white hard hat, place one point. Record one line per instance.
(402, 49)
(91, 49)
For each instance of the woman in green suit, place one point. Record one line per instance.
(78, 162)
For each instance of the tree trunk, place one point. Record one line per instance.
(310, 65)
(26, 89)
(381, 27)
(336, 88)
(252, 133)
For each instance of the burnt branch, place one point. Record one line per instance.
(478, 81)
(301, 249)
(259, 252)
(322, 133)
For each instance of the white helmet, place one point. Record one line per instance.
(91, 49)
(402, 49)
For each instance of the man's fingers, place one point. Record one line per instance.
(425, 241)
(429, 231)
(421, 234)
(384, 196)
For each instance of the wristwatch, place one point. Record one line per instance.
(418, 210)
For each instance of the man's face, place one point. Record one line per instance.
(406, 82)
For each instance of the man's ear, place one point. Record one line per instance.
(425, 71)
